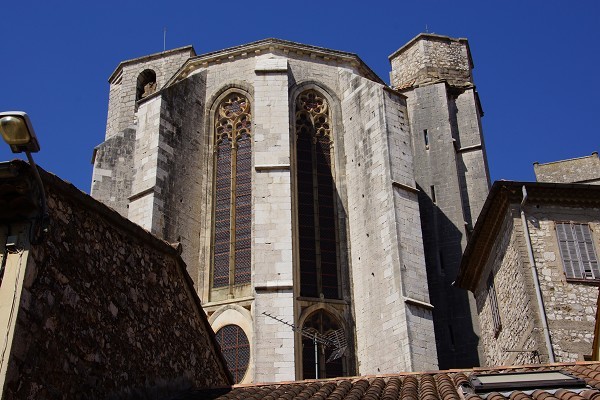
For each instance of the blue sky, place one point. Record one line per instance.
(535, 62)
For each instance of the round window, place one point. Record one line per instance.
(236, 350)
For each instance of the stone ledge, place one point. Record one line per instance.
(418, 303)
(272, 167)
(405, 187)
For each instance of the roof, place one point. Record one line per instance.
(489, 222)
(438, 385)
(593, 155)
(14, 171)
(244, 50)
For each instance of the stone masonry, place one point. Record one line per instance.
(574, 170)
(105, 308)
(163, 178)
(499, 252)
(450, 170)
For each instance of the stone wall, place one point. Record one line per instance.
(105, 308)
(113, 159)
(575, 170)
(123, 84)
(450, 170)
(112, 175)
(431, 58)
(520, 327)
(386, 255)
(439, 175)
(570, 306)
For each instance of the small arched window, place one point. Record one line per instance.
(315, 198)
(146, 84)
(235, 348)
(232, 201)
(329, 365)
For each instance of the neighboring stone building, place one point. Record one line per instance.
(574, 170)
(97, 307)
(297, 182)
(546, 242)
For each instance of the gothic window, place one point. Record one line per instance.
(146, 84)
(235, 349)
(577, 251)
(315, 194)
(323, 324)
(232, 202)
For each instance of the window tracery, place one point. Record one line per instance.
(316, 220)
(324, 324)
(232, 209)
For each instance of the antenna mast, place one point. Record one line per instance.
(335, 339)
(165, 38)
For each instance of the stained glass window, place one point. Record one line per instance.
(316, 224)
(232, 217)
(236, 350)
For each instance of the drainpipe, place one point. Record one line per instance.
(536, 281)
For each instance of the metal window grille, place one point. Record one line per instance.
(577, 251)
(494, 305)
(236, 350)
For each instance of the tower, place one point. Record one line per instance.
(450, 166)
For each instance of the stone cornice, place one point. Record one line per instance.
(269, 45)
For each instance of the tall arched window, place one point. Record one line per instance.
(232, 202)
(316, 216)
(326, 326)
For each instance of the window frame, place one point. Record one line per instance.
(236, 136)
(237, 373)
(319, 132)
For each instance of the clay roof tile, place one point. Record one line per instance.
(542, 395)
(564, 394)
(518, 395)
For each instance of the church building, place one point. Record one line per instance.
(305, 189)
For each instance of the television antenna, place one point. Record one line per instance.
(335, 340)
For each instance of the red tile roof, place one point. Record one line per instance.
(437, 385)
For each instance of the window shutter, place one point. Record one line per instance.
(577, 251)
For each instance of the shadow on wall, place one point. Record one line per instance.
(456, 339)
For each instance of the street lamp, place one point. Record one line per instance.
(18, 133)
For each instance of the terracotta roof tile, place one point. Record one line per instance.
(495, 396)
(564, 394)
(591, 394)
(440, 385)
(542, 395)
(518, 395)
